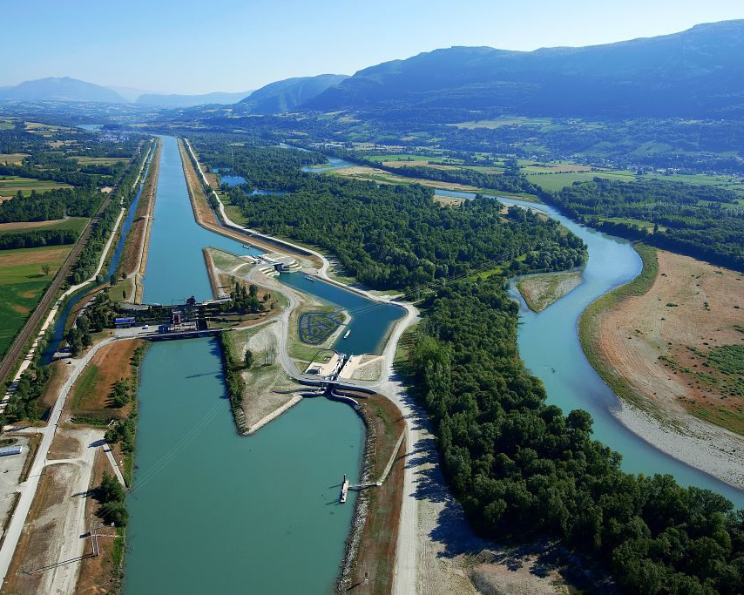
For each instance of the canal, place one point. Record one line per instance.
(210, 510)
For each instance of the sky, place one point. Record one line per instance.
(189, 46)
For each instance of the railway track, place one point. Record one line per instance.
(29, 328)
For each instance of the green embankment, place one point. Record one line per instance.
(588, 323)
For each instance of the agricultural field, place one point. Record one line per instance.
(12, 158)
(76, 224)
(502, 121)
(108, 161)
(22, 283)
(555, 177)
(10, 185)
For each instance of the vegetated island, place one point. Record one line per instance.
(642, 340)
(541, 291)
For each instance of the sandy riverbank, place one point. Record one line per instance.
(654, 350)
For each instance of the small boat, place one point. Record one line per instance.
(347, 333)
(309, 278)
(344, 490)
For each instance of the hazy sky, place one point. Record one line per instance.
(188, 46)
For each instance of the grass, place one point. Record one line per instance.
(85, 388)
(725, 418)
(100, 160)
(76, 224)
(590, 319)
(541, 291)
(10, 185)
(557, 181)
(22, 283)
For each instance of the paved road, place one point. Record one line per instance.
(29, 487)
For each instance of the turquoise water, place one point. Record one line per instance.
(232, 180)
(549, 345)
(370, 322)
(175, 264)
(213, 512)
(333, 163)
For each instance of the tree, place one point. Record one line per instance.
(248, 358)
(46, 269)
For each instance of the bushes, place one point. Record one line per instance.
(111, 496)
(233, 380)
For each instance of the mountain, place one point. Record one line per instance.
(287, 95)
(59, 89)
(158, 100)
(127, 93)
(699, 72)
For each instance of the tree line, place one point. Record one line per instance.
(36, 238)
(52, 204)
(704, 222)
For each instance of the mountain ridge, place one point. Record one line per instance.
(696, 72)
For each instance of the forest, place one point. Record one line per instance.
(38, 237)
(392, 236)
(52, 204)
(524, 469)
(699, 221)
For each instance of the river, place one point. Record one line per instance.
(210, 510)
(550, 347)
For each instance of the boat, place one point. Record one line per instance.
(309, 278)
(344, 490)
(347, 333)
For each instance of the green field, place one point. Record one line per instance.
(401, 157)
(558, 181)
(9, 185)
(503, 121)
(100, 160)
(555, 182)
(22, 283)
(76, 224)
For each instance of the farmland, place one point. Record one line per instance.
(10, 185)
(22, 283)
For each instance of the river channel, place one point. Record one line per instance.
(550, 347)
(212, 511)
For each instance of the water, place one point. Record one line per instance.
(232, 180)
(215, 512)
(370, 322)
(58, 330)
(333, 163)
(175, 264)
(550, 347)
(212, 511)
